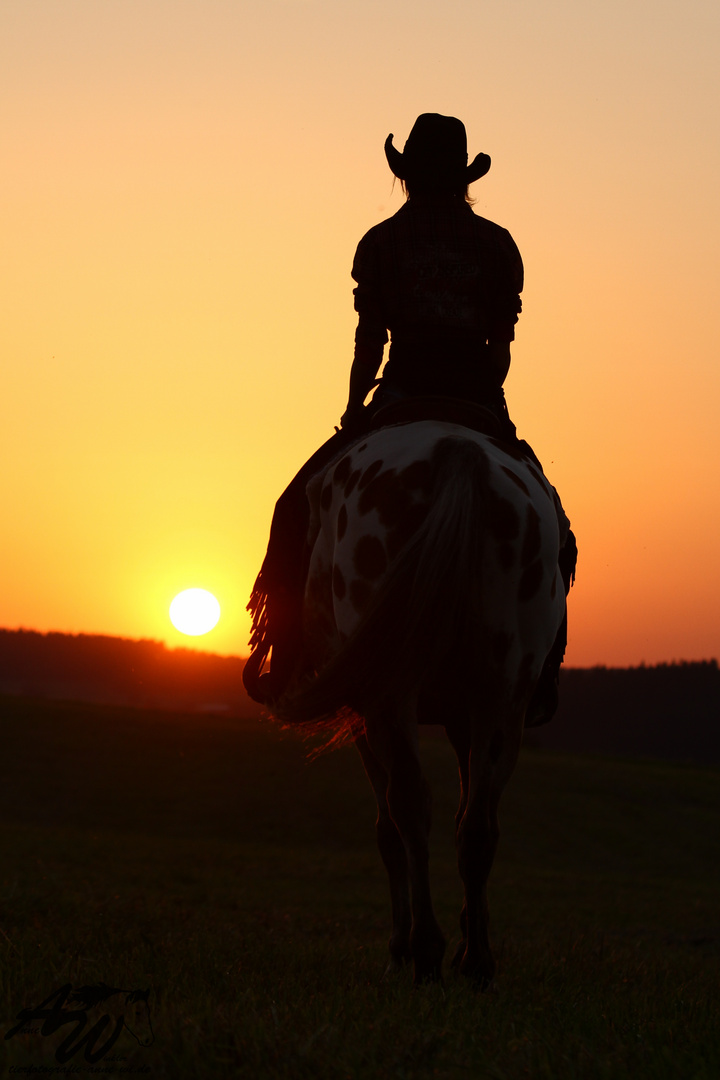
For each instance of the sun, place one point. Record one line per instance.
(194, 612)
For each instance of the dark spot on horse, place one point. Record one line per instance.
(342, 521)
(352, 481)
(326, 497)
(369, 558)
(417, 476)
(370, 474)
(381, 494)
(338, 583)
(503, 518)
(496, 745)
(530, 581)
(531, 540)
(360, 593)
(553, 587)
(516, 479)
(506, 556)
(405, 528)
(501, 642)
(342, 471)
(361, 448)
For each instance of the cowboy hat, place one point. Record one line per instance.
(435, 153)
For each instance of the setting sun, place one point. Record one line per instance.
(194, 612)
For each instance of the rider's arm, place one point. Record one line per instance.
(362, 377)
(498, 354)
(369, 344)
(505, 305)
(371, 335)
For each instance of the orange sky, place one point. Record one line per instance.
(183, 190)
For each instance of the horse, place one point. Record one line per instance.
(433, 595)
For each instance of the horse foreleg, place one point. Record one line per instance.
(409, 803)
(394, 856)
(492, 761)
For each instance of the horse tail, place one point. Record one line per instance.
(425, 617)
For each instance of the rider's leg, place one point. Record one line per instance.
(544, 702)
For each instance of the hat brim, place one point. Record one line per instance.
(477, 168)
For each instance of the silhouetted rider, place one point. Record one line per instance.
(445, 283)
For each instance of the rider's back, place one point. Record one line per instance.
(444, 281)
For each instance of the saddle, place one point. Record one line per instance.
(445, 409)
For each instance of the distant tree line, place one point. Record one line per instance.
(667, 711)
(95, 667)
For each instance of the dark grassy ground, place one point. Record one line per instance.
(211, 861)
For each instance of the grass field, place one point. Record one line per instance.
(209, 860)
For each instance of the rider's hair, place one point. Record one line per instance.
(417, 187)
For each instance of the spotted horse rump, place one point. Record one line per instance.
(433, 595)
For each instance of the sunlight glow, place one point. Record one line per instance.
(179, 319)
(194, 612)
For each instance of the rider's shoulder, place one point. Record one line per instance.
(495, 235)
(486, 225)
(384, 228)
(378, 241)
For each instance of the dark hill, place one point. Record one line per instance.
(117, 671)
(669, 711)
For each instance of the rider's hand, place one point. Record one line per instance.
(352, 417)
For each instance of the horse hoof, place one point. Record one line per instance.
(481, 975)
(484, 984)
(424, 977)
(457, 958)
(431, 979)
(395, 966)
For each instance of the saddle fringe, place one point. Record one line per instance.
(258, 608)
(260, 635)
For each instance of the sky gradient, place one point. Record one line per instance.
(184, 187)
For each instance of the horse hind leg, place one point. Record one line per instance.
(394, 742)
(394, 857)
(458, 733)
(493, 757)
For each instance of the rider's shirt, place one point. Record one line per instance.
(444, 282)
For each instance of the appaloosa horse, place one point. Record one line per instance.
(433, 595)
